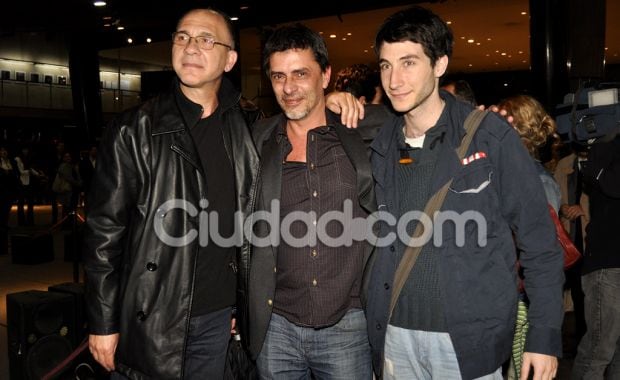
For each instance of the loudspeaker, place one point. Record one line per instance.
(40, 329)
(76, 290)
(32, 247)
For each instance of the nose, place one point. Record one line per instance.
(289, 86)
(192, 46)
(395, 79)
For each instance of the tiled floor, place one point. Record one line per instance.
(16, 278)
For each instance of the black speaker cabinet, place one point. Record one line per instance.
(40, 329)
(32, 247)
(76, 290)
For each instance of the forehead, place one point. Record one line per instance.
(292, 59)
(203, 21)
(396, 50)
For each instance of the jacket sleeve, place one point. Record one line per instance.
(106, 227)
(525, 208)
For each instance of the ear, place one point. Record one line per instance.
(231, 59)
(327, 74)
(441, 65)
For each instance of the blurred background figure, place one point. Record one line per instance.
(461, 90)
(361, 81)
(537, 129)
(69, 178)
(8, 192)
(28, 176)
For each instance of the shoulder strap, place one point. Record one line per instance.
(432, 206)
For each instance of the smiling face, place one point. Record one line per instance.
(298, 83)
(198, 68)
(407, 75)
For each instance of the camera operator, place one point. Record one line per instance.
(598, 354)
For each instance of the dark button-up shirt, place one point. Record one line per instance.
(317, 283)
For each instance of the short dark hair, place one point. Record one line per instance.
(296, 36)
(229, 25)
(358, 79)
(419, 25)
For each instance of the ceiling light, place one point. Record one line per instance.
(320, 32)
(148, 40)
(470, 65)
(489, 39)
(470, 41)
(107, 17)
(606, 48)
(332, 36)
(120, 28)
(505, 84)
(234, 18)
(462, 37)
(130, 40)
(503, 53)
(107, 25)
(449, 22)
(478, 43)
(348, 34)
(344, 38)
(99, 3)
(365, 51)
(520, 51)
(244, 7)
(523, 13)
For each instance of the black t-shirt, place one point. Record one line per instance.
(215, 279)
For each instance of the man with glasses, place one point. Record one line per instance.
(159, 301)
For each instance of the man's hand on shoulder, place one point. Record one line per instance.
(103, 348)
(348, 106)
(545, 366)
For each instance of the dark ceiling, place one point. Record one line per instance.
(157, 19)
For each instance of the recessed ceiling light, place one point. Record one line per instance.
(244, 7)
(129, 40)
(520, 51)
(348, 34)
(470, 65)
(505, 84)
(320, 32)
(99, 3)
(332, 36)
(120, 28)
(449, 22)
(148, 40)
(606, 48)
(107, 25)
(478, 43)
(107, 17)
(344, 38)
(489, 39)
(365, 51)
(503, 53)
(462, 37)
(523, 13)
(234, 18)
(524, 61)
(470, 41)
(488, 55)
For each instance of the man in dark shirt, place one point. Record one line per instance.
(305, 292)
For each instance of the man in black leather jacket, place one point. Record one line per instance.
(160, 286)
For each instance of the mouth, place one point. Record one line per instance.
(192, 66)
(291, 102)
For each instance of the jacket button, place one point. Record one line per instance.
(386, 286)
(392, 248)
(141, 315)
(378, 326)
(151, 267)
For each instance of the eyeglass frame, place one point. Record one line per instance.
(210, 41)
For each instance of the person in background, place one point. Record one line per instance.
(575, 216)
(536, 129)
(305, 302)
(598, 354)
(68, 172)
(86, 168)
(461, 89)
(8, 194)
(455, 315)
(360, 80)
(27, 176)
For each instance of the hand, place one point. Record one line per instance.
(348, 106)
(233, 324)
(103, 347)
(501, 112)
(545, 366)
(571, 212)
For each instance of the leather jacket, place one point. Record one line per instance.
(137, 285)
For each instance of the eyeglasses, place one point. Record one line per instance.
(203, 42)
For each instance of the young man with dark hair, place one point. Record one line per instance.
(455, 315)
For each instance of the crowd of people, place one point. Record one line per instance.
(188, 200)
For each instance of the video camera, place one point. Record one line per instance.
(588, 114)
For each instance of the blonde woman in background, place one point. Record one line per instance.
(536, 128)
